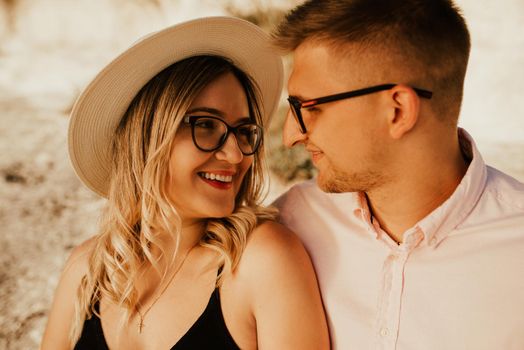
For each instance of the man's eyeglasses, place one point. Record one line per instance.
(296, 105)
(210, 133)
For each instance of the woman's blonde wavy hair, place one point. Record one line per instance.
(139, 205)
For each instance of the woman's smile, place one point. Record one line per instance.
(222, 180)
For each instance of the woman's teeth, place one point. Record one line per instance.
(217, 177)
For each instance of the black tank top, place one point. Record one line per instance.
(208, 332)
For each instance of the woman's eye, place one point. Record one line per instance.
(245, 131)
(205, 124)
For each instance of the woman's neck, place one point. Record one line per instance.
(170, 247)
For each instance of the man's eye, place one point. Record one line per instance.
(312, 109)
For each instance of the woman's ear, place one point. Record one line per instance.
(406, 105)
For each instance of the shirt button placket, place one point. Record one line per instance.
(390, 301)
(393, 284)
(384, 332)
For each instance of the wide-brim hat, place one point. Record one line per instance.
(99, 109)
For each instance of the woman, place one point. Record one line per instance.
(171, 133)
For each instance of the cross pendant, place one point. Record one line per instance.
(140, 325)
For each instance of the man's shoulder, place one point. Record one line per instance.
(305, 203)
(500, 207)
(506, 190)
(298, 191)
(308, 196)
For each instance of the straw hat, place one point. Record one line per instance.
(100, 107)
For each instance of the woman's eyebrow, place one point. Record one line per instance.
(209, 110)
(218, 113)
(243, 120)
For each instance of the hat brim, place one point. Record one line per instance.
(100, 107)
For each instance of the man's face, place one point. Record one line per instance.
(345, 137)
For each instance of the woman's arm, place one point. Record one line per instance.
(61, 314)
(286, 301)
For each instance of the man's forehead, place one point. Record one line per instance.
(318, 66)
(315, 53)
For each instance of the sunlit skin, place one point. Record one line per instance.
(385, 144)
(193, 196)
(344, 137)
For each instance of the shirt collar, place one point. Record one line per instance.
(363, 213)
(450, 214)
(441, 221)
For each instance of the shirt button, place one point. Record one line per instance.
(384, 332)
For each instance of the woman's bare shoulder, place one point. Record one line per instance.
(277, 274)
(78, 262)
(271, 239)
(273, 253)
(62, 310)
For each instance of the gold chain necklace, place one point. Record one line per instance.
(143, 315)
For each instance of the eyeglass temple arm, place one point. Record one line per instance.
(422, 93)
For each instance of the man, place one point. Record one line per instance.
(416, 242)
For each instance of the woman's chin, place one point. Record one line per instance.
(220, 211)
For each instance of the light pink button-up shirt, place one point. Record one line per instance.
(456, 282)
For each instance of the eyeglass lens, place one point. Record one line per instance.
(210, 134)
(295, 106)
(295, 110)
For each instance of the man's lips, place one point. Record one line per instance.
(316, 155)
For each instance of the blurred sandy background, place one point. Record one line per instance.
(49, 49)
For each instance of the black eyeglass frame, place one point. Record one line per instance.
(296, 105)
(192, 119)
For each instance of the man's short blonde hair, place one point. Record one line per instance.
(426, 41)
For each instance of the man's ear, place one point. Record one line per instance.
(406, 105)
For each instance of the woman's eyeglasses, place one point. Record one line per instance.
(210, 133)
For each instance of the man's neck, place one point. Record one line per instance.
(400, 204)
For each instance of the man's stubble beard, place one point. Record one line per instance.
(333, 180)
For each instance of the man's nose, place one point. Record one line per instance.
(291, 135)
